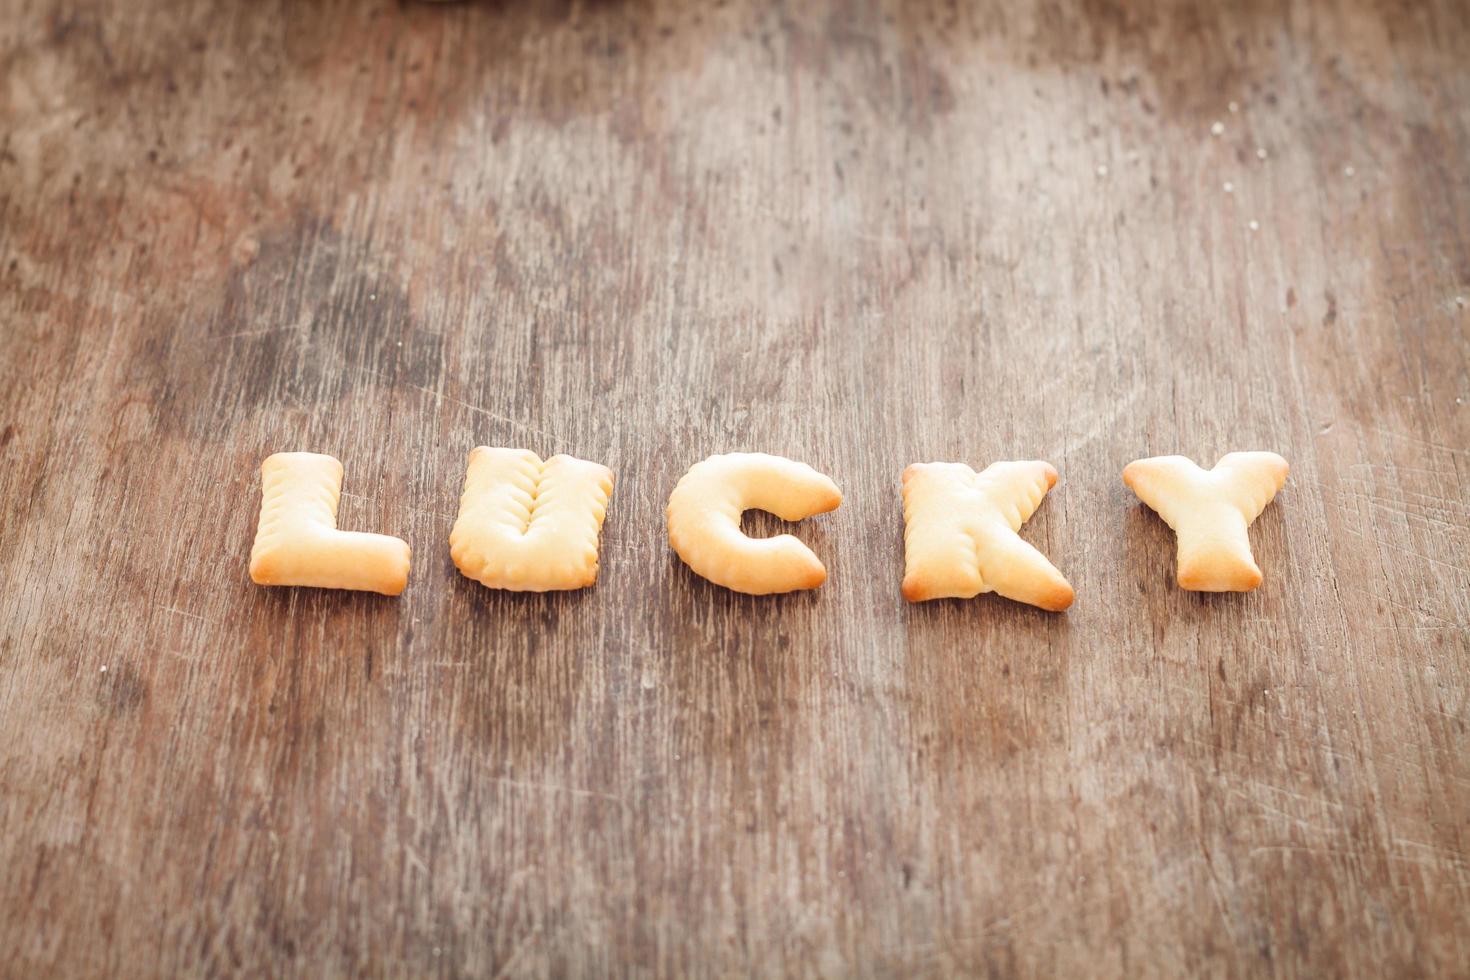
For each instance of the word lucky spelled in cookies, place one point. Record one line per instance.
(533, 525)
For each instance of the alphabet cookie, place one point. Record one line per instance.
(704, 521)
(1209, 511)
(527, 525)
(297, 542)
(960, 533)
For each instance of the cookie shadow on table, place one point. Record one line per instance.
(1151, 559)
(328, 609)
(704, 597)
(500, 606)
(990, 618)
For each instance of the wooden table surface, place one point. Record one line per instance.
(860, 235)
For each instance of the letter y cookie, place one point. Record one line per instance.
(1209, 511)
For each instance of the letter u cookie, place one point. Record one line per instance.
(527, 525)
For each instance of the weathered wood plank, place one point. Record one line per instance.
(861, 235)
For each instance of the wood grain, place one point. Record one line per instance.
(858, 234)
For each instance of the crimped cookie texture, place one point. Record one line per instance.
(527, 525)
(960, 533)
(1210, 511)
(297, 542)
(704, 521)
